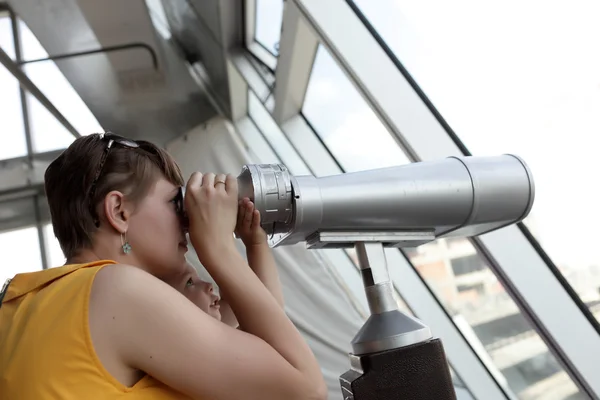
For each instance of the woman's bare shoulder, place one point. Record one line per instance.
(151, 327)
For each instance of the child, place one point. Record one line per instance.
(260, 260)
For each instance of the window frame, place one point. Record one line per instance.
(37, 198)
(526, 232)
(253, 46)
(553, 311)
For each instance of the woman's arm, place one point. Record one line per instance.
(259, 314)
(153, 328)
(227, 314)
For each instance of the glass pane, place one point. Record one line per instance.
(20, 251)
(269, 15)
(275, 137)
(345, 122)
(480, 306)
(453, 269)
(56, 257)
(532, 89)
(47, 133)
(12, 133)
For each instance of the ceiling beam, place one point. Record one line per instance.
(205, 31)
(131, 78)
(297, 52)
(22, 198)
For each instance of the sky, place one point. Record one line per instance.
(518, 77)
(269, 14)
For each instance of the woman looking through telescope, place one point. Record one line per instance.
(107, 325)
(260, 260)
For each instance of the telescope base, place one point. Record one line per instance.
(417, 372)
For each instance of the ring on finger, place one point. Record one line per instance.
(220, 178)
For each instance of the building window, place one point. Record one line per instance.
(467, 265)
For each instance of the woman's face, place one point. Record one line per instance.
(155, 231)
(197, 291)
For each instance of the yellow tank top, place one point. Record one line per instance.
(46, 350)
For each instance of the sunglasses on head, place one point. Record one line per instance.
(111, 140)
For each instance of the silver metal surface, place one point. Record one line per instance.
(270, 188)
(376, 278)
(381, 298)
(456, 196)
(495, 198)
(387, 328)
(355, 363)
(326, 239)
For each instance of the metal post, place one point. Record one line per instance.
(24, 109)
(28, 139)
(25, 82)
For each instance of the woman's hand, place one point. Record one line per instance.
(248, 227)
(211, 203)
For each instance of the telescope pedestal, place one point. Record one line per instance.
(417, 372)
(394, 357)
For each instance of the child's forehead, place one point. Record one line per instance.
(189, 269)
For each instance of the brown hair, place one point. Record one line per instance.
(68, 180)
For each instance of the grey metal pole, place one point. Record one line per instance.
(29, 141)
(25, 82)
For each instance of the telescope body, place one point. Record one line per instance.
(401, 206)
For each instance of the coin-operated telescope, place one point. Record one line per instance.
(395, 356)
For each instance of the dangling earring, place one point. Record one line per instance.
(125, 244)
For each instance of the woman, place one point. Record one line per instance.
(107, 325)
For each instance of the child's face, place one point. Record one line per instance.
(197, 291)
